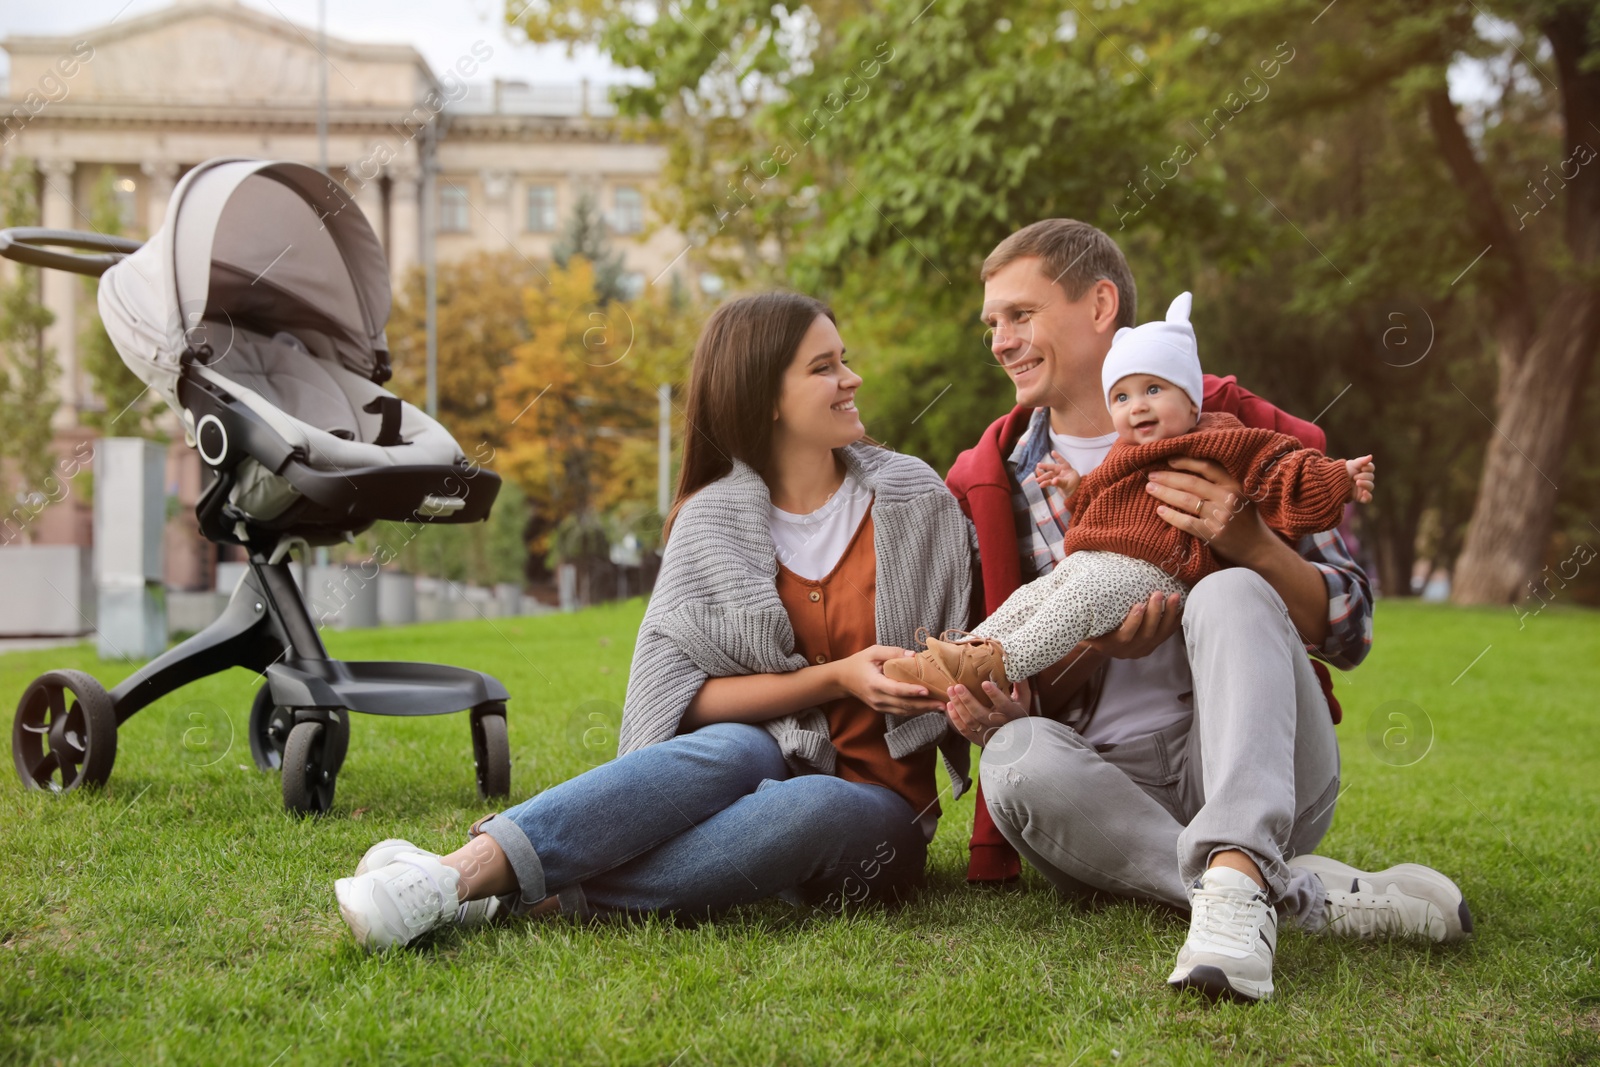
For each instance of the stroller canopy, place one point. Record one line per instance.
(251, 245)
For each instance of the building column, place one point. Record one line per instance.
(405, 223)
(59, 289)
(368, 195)
(163, 177)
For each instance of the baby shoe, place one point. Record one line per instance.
(964, 660)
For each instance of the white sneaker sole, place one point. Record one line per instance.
(1413, 879)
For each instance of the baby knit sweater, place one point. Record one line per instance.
(1297, 490)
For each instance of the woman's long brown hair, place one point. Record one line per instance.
(734, 384)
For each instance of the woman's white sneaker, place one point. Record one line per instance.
(399, 902)
(471, 913)
(1406, 900)
(1233, 934)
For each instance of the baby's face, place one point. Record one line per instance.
(1145, 408)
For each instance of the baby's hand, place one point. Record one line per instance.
(1365, 475)
(1059, 474)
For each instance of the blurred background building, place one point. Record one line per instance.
(150, 96)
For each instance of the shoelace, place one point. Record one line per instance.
(1223, 916)
(1373, 914)
(419, 902)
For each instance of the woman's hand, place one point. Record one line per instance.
(977, 723)
(861, 676)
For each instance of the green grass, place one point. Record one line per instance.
(181, 916)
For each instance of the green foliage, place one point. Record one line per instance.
(585, 237)
(1276, 159)
(118, 388)
(28, 370)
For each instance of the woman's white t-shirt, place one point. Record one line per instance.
(812, 545)
(1140, 696)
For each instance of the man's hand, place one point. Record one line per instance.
(1365, 473)
(861, 676)
(977, 723)
(1211, 505)
(1147, 625)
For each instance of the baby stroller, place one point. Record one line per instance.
(257, 312)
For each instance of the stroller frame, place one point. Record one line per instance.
(64, 736)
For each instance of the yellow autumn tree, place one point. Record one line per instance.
(578, 409)
(480, 322)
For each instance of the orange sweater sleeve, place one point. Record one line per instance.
(1298, 491)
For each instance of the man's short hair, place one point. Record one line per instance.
(1074, 254)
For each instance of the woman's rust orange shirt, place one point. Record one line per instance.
(834, 617)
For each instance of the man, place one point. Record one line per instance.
(1198, 769)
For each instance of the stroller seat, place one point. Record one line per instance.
(336, 419)
(258, 314)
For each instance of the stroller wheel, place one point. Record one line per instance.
(491, 752)
(65, 733)
(307, 786)
(269, 730)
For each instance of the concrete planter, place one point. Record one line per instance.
(48, 591)
(397, 599)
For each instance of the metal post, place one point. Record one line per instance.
(322, 86)
(664, 450)
(430, 271)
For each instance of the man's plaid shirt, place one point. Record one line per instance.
(1042, 519)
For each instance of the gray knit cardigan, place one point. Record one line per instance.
(716, 612)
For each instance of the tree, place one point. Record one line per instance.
(578, 401)
(1526, 276)
(1546, 314)
(877, 153)
(480, 322)
(585, 236)
(28, 370)
(119, 389)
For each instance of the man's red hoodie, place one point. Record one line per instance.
(982, 485)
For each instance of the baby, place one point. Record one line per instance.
(1119, 550)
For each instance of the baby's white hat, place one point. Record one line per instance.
(1166, 349)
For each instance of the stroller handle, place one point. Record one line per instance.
(37, 248)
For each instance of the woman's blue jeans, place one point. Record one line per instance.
(705, 822)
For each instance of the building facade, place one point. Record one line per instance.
(147, 98)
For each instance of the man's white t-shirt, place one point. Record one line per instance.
(1140, 696)
(812, 545)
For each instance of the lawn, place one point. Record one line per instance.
(181, 916)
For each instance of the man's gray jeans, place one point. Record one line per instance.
(1256, 768)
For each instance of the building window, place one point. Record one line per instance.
(541, 209)
(630, 284)
(454, 212)
(628, 209)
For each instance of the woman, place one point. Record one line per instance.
(763, 752)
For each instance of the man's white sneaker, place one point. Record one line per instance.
(1233, 933)
(471, 913)
(1406, 900)
(400, 901)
